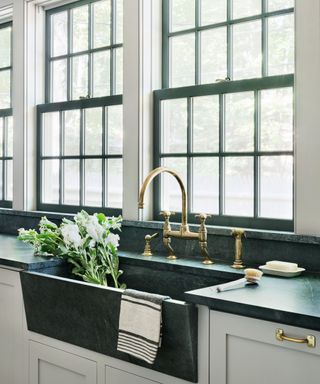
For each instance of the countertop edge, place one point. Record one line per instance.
(256, 312)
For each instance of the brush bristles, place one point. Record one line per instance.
(252, 274)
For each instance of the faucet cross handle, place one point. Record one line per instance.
(203, 217)
(167, 214)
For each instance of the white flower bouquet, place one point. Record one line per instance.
(87, 243)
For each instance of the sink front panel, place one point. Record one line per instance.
(87, 315)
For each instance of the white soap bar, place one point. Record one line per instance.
(282, 266)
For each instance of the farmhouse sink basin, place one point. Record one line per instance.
(62, 307)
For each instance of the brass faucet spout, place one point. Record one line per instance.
(184, 232)
(148, 181)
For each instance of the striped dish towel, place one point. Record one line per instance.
(140, 324)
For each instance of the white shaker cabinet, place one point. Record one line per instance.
(12, 358)
(246, 350)
(49, 365)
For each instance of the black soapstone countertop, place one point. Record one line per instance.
(16, 254)
(294, 301)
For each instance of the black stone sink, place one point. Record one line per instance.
(62, 307)
(87, 315)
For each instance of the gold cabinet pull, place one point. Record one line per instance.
(309, 340)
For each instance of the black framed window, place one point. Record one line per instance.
(84, 50)
(80, 127)
(6, 123)
(224, 119)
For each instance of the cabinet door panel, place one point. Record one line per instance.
(11, 340)
(51, 366)
(7, 333)
(244, 349)
(266, 363)
(117, 376)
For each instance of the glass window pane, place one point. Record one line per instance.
(71, 193)
(206, 124)
(5, 47)
(1, 180)
(170, 190)
(238, 186)
(101, 73)
(59, 33)
(239, 122)
(182, 60)
(213, 55)
(50, 181)
(80, 76)
(119, 21)
(277, 120)
(119, 71)
(281, 45)
(182, 14)
(80, 28)
(275, 5)
(9, 143)
(9, 179)
(174, 125)
(59, 80)
(276, 187)
(114, 198)
(5, 89)
(93, 182)
(93, 131)
(213, 11)
(245, 8)
(101, 23)
(247, 50)
(115, 129)
(1, 135)
(72, 133)
(51, 134)
(205, 185)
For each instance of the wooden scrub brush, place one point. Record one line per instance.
(252, 276)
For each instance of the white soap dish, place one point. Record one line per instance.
(277, 272)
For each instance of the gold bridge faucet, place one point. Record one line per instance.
(183, 232)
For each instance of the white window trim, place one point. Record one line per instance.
(142, 74)
(307, 118)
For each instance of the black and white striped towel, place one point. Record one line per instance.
(140, 324)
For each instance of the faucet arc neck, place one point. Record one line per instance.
(149, 179)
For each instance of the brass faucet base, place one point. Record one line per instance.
(238, 266)
(207, 262)
(147, 254)
(172, 257)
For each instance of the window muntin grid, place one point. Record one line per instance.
(213, 39)
(224, 178)
(6, 120)
(243, 156)
(80, 172)
(84, 50)
(80, 131)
